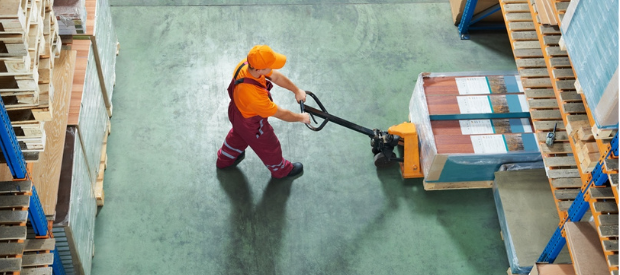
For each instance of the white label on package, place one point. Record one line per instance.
(474, 104)
(519, 84)
(527, 127)
(489, 144)
(472, 85)
(523, 102)
(476, 127)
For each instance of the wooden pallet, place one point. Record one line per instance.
(428, 186)
(13, 15)
(14, 203)
(37, 256)
(103, 165)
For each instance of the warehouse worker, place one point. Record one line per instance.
(251, 105)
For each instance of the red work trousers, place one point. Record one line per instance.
(257, 133)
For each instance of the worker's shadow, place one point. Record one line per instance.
(255, 233)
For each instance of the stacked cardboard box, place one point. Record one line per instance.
(71, 15)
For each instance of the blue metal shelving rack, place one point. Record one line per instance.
(579, 206)
(468, 20)
(17, 164)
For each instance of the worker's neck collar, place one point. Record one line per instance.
(254, 73)
(258, 73)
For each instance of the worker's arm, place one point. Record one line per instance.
(283, 81)
(289, 116)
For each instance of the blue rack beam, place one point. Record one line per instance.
(468, 19)
(579, 206)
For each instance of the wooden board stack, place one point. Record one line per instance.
(493, 96)
(29, 43)
(462, 127)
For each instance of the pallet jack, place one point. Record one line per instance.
(403, 135)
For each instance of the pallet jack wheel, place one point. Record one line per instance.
(382, 161)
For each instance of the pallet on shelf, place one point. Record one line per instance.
(15, 199)
(22, 250)
(38, 256)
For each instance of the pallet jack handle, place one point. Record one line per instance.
(322, 113)
(303, 107)
(382, 143)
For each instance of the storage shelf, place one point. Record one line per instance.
(548, 74)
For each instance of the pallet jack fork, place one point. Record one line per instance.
(382, 142)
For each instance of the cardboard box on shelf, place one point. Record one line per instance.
(458, 6)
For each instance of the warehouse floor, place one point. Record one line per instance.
(168, 210)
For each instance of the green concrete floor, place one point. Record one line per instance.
(168, 210)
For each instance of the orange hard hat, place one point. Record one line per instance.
(263, 57)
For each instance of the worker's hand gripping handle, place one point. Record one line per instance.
(313, 111)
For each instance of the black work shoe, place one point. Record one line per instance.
(238, 159)
(298, 170)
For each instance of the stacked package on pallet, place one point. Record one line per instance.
(467, 122)
(71, 15)
(590, 33)
(74, 226)
(30, 42)
(89, 113)
(526, 213)
(107, 45)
